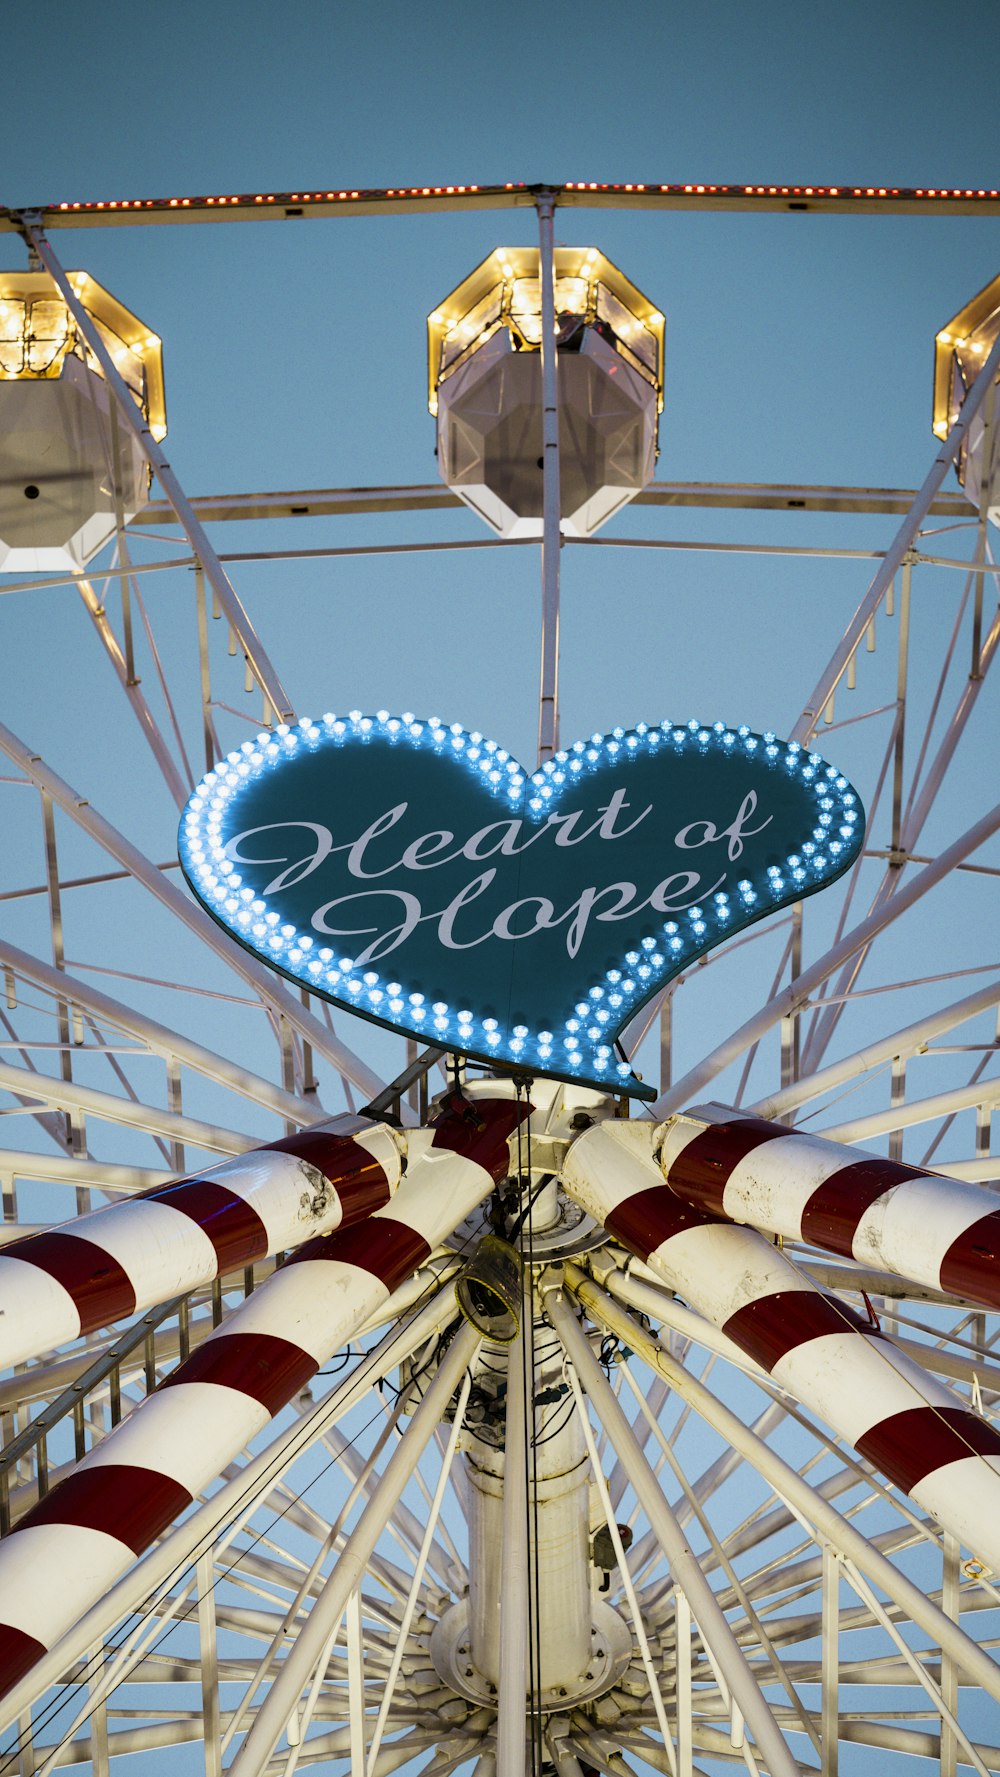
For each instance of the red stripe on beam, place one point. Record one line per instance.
(909, 1446)
(18, 1653)
(831, 1216)
(969, 1267)
(360, 1181)
(478, 1130)
(648, 1218)
(268, 1369)
(779, 1323)
(387, 1249)
(235, 1230)
(702, 1170)
(100, 1289)
(131, 1504)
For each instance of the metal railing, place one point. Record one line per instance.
(133, 1353)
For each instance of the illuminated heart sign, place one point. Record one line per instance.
(419, 876)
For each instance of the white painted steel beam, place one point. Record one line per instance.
(108, 1175)
(418, 1572)
(136, 696)
(786, 1481)
(68, 1095)
(828, 1017)
(914, 1111)
(136, 421)
(895, 556)
(548, 694)
(512, 1690)
(924, 1437)
(261, 979)
(794, 996)
(600, 1485)
(348, 1573)
(230, 1505)
(263, 206)
(334, 502)
(161, 1039)
(979, 1171)
(684, 1565)
(912, 1039)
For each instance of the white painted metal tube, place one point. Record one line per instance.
(629, 1286)
(895, 554)
(85, 1533)
(196, 534)
(884, 1215)
(987, 1167)
(919, 1434)
(263, 981)
(132, 687)
(233, 1502)
(829, 1016)
(409, 1609)
(794, 996)
(913, 1039)
(789, 1484)
(915, 1111)
(513, 1601)
(159, 1037)
(348, 1574)
(548, 696)
(176, 1237)
(558, 1530)
(110, 1176)
(27, 1084)
(684, 1565)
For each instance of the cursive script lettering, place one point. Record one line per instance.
(734, 832)
(388, 916)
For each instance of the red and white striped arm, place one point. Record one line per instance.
(65, 1281)
(83, 1535)
(897, 1218)
(915, 1431)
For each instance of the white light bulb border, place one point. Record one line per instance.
(609, 1002)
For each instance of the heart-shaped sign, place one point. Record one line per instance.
(417, 875)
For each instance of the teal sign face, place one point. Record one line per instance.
(418, 875)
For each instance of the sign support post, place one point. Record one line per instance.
(548, 697)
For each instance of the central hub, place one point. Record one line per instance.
(610, 1654)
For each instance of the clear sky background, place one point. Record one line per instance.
(799, 349)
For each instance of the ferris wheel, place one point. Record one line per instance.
(417, 1387)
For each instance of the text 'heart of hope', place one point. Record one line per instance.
(416, 874)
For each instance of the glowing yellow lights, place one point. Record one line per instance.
(959, 350)
(39, 335)
(505, 292)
